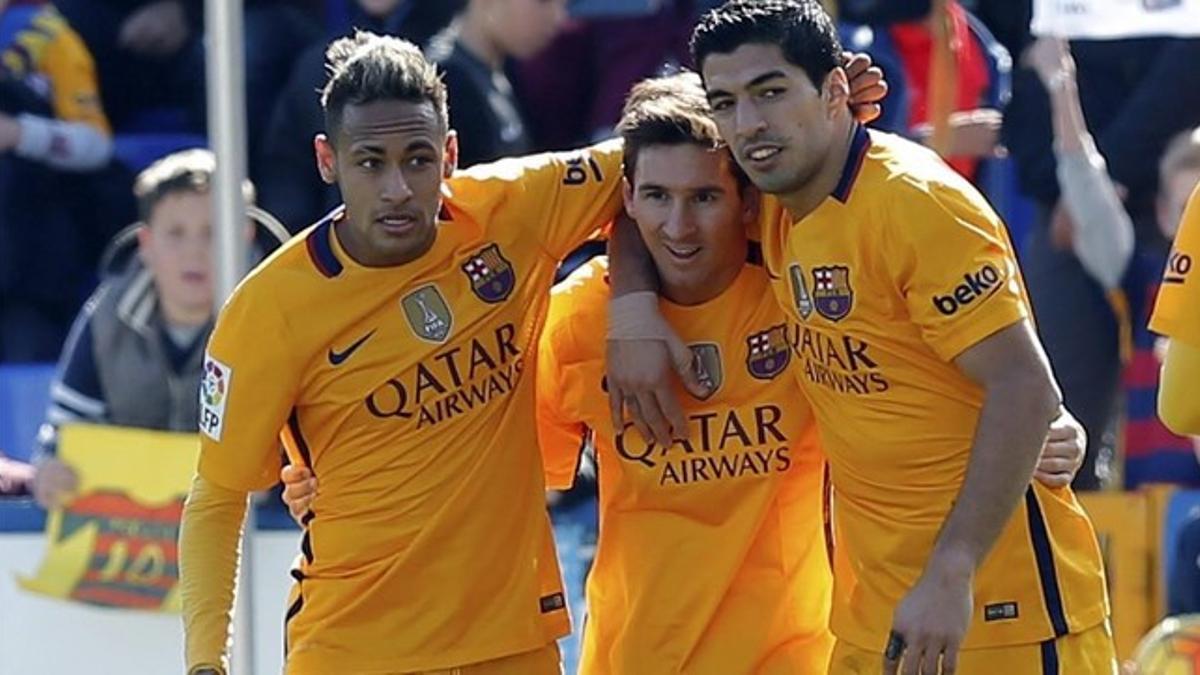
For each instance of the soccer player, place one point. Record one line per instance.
(911, 332)
(389, 342)
(1177, 315)
(742, 491)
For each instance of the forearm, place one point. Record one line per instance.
(1103, 239)
(630, 267)
(72, 146)
(1012, 429)
(209, 537)
(1178, 404)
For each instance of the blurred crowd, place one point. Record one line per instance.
(1089, 149)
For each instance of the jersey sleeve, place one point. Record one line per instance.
(568, 368)
(72, 74)
(559, 198)
(247, 392)
(1177, 308)
(951, 260)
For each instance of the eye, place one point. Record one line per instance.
(705, 197)
(370, 163)
(421, 161)
(654, 195)
(721, 105)
(772, 92)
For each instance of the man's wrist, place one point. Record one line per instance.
(952, 564)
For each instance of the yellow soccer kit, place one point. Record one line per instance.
(405, 390)
(1177, 309)
(39, 48)
(711, 555)
(899, 271)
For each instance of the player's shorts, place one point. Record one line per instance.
(1090, 652)
(544, 661)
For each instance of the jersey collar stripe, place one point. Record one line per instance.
(854, 160)
(320, 249)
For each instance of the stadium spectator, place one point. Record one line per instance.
(1103, 242)
(290, 187)
(150, 56)
(474, 54)
(974, 121)
(1120, 85)
(134, 355)
(54, 137)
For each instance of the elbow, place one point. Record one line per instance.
(1033, 395)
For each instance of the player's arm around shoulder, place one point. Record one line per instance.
(560, 198)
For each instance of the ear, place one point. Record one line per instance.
(450, 157)
(326, 158)
(144, 238)
(627, 195)
(835, 90)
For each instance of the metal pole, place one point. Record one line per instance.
(227, 137)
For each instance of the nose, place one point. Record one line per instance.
(395, 187)
(678, 224)
(748, 119)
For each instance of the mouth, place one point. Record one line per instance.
(760, 155)
(397, 224)
(195, 277)
(681, 252)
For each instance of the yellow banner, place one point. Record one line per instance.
(114, 544)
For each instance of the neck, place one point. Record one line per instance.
(474, 37)
(711, 287)
(363, 254)
(184, 317)
(805, 200)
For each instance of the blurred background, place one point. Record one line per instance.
(1079, 123)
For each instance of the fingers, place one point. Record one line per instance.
(615, 408)
(294, 473)
(892, 653)
(866, 112)
(54, 483)
(655, 421)
(950, 659)
(1054, 480)
(1056, 465)
(855, 64)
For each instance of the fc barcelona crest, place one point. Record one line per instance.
(832, 295)
(706, 361)
(428, 314)
(492, 276)
(768, 353)
(804, 303)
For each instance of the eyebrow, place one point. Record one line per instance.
(761, 79)
(712, 187)
(758, 80)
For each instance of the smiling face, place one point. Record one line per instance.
(777, 123)
(691, 213)
(389, 160)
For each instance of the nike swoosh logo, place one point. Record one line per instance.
(338, 358)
